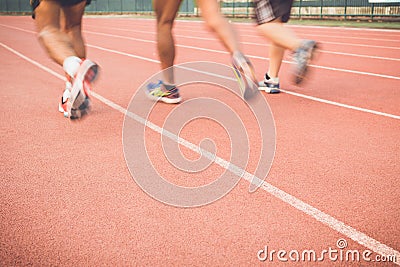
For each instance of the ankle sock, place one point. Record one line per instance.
(271, 79)
(169, 86)
(71, 65)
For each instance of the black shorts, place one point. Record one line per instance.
(268, 10)
(35, 4)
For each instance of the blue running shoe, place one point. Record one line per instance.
(158, 92)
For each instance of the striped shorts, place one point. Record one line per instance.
(268, 10)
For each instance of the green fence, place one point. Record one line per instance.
(119, 6)
(100, 6)
(14, 6)
(346, 9)
(133, 6)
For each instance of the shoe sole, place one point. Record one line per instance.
(300, 77)
(165, 99)
(61, 109)
(248, 84)
(269, 90)
(263, 87)
(78, 96)
(75, 114)
(82, 111)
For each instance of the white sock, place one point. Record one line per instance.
(71, 65)
(68, 85)
(273, 79)
(66, 95)
(67, 91)
(169, 86)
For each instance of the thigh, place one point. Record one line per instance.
(166, 10)
(73, 14)
(209, 8)
(47, 13)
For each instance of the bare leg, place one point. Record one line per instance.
(276, 54)
(71, 24)
(71, 18)
(166, 12)
(56, 43)
(280, 35)
(218, 24)
(282, 38)
(59, 31)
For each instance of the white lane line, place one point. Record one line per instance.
(260, 37)
(353, 37)
(37, 64)
(249, 24)
(250, 56)
(342, 105)
(16, 28)
(252, 25)
(123, 53)
(249, 43)
(257, 36)
(288, 92)
(379, 113)
(345, 28)
(265, 44)
(189, 29)
(320, 216)
(224, 52)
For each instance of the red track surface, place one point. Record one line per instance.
(67, 197)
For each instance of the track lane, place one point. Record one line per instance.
(227, 237)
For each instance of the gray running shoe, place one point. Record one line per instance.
(302, 57)
(244, 72)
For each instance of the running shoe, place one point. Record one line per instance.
(65, 98)
(76, 103)
(81, 111)
(302, 57)
(269, 85)
(244, 72)
(158, 92)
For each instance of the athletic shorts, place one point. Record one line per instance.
(35, 4)
(269, 10)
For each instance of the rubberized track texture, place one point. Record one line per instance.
(68, 198)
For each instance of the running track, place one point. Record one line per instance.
(67, 197)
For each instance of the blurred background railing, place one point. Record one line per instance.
(388, 10)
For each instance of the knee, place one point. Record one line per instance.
(72, 28)
(213, 22)
(47, 32)
(165, 22)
